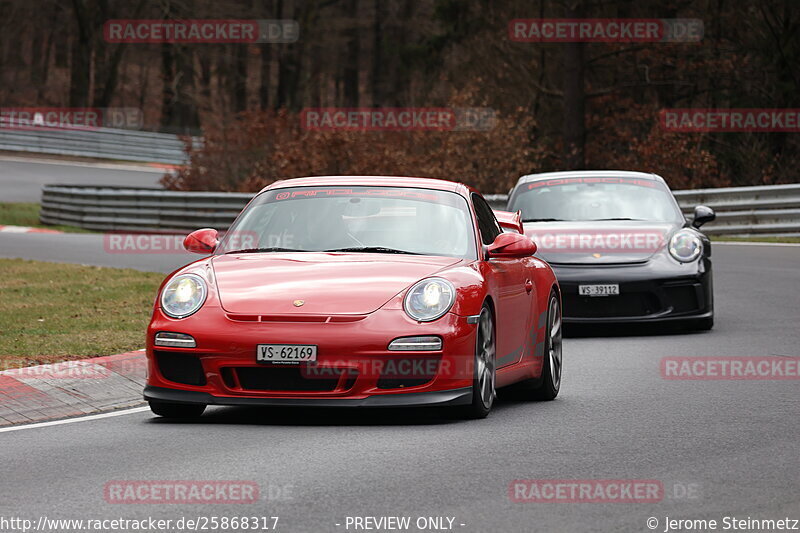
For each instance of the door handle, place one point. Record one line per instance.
(528, 286)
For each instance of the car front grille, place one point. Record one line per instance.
(292, 378)
(635, 301)
(623, 305)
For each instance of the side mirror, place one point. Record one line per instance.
(512, 245)
(202, 241)
(703, 214)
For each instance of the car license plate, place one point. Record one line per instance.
(611, 289)
(286, 353)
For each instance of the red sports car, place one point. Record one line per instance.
(357, 291)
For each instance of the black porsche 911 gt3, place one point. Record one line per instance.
(620, 246)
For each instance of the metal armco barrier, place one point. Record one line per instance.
(768, 210)
(497, 201)
(741, 211)
(99, 143)
(126, 209)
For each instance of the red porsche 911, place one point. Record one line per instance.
(357, 291)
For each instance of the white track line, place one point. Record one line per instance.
(73, 420)
(748, 243)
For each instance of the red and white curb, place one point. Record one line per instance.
(71, 388)
(26, 229)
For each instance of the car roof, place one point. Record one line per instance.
(384, 181)
(591, 174)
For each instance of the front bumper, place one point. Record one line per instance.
(354, 366)
(417, 399)
(651, 292)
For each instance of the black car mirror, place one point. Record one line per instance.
(702, 215)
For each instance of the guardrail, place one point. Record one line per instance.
(767, 211)
(741, 211)
(497, 201)
(129, 209)
(99, 143)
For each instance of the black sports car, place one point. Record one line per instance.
(620, 246)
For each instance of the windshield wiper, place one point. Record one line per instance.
(543, 220)
(264, 250)
(613, 218)
(373, 250)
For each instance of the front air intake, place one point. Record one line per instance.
(180, 367)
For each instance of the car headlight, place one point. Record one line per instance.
(685, 246)
(429, 299)
(183, 295)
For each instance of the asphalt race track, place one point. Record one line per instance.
(720, 448)
(92, 249)
(21, 179)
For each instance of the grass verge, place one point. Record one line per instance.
(53, 312)
(27, 214)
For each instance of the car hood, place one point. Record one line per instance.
(599, 242)
(327, 283)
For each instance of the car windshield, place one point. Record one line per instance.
(354, 219)
(594, 199)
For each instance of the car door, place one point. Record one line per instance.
(512, 282)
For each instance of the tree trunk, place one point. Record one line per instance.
(377, 55)
(41, 67)
(112, 66)
(80, 57)
(398, 80)
(179, 113)
(574, 100)
(266, 75)
(240, 78)
(352, 52)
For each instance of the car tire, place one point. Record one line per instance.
(484, 368)
(177, 410)
(546, 387)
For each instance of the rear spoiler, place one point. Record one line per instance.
(509, 220)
